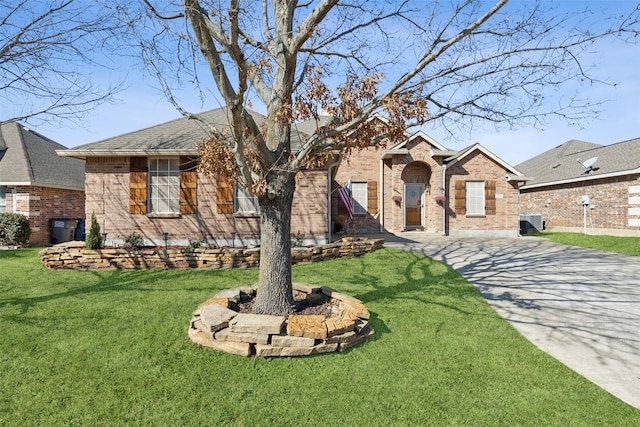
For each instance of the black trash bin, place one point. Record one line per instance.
(63, 230)
(80, 232)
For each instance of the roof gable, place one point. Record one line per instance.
(29, 158)
(477, 147)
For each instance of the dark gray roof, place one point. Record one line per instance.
(176, 137)
(564, 162)
(28, 158)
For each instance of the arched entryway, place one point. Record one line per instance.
(415, 179)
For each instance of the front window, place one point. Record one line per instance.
(245, 201)
(359, 193)
(475, 197)
(3, 199)
(164, 185)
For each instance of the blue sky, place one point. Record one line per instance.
(142, 105)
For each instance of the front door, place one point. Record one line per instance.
(413, 205)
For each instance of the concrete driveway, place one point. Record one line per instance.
(579, 305)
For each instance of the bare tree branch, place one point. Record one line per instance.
(44, 50)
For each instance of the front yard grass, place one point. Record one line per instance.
(111, 348)
(616, 244)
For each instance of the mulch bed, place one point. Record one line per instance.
(302, 307)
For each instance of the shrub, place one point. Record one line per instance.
(194, 244)
(133, 241)
(298, 240)
(93, 240)
(14, 229)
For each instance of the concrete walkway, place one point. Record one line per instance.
(579, 305)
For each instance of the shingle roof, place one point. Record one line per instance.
(28, 158)
(176, 137)
(512, 173)
(564, 162)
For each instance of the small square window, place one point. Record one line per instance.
(245, 201)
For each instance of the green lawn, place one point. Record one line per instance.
(111, 348)
(620, 245)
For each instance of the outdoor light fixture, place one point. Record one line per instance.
(165, 237)
(233, 239)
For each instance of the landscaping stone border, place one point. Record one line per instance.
(74, 256)
(215, 324)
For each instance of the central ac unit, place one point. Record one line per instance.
(531, 223)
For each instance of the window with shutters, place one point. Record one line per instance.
(164, 185)
(474, 198)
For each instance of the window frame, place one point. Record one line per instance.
(360, 197)
(3, 199)
(244, 202)
(172, 199)
(475, 198)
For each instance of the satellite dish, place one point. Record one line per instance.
(588, 164)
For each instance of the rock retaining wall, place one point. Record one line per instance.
(74, 256)
(215, 324)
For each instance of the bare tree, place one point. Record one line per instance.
(46, 51)
(414, 61)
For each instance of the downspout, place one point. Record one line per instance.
(444, 204)
(329, 231)
(380, 196)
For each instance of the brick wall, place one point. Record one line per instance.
(615, 202)
(479, 167)
(107, 192)
(41, 205)
(360, 166)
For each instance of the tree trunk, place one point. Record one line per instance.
(275, 295)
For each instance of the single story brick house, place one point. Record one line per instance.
(580, 186)
(36, 182)
(146, 182)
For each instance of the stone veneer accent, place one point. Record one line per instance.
(215, 324)
(74, 256)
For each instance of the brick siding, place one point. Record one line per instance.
(41, 205)
(107, 195)
(478, 167)
(615, 202)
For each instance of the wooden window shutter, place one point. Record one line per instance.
(224, 195)
(490, 197)
(138, 168)
(372, 197)
(188, 186)
(460, 198)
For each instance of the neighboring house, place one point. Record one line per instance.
(580, 186)
(146, 182)
(421, 185)
(37, 183)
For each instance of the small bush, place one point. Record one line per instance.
(14, 229)
(133, 241)
(194, 244)
(93, 240)
(298, 240)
